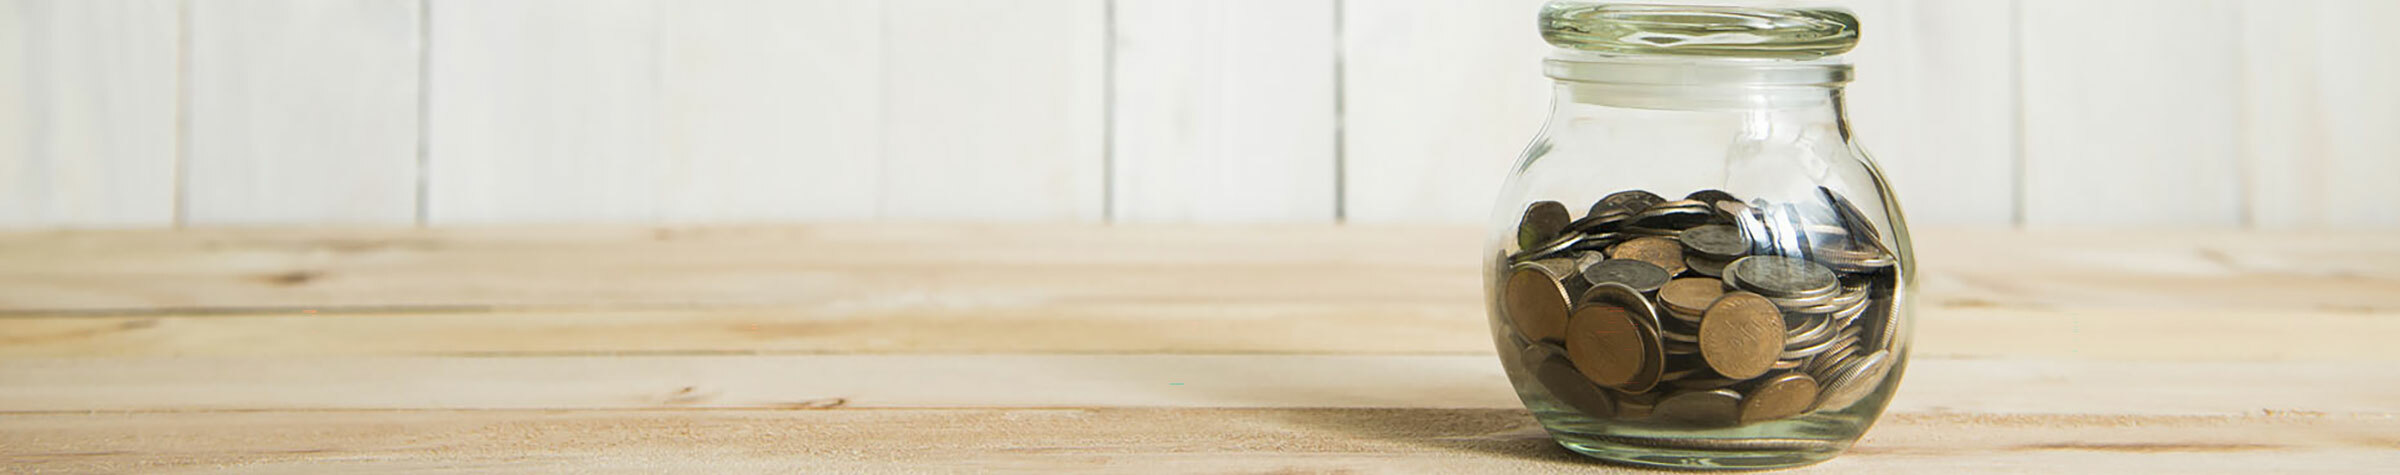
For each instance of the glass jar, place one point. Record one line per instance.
(1694, 265)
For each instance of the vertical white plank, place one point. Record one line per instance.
(1223, 111)
(302, 112)
(1934, 102)
(2131, 113)
(87, 113)
(2323, 113)
(994, 110)
(771, 109)
(1439, 98)
(543, 111)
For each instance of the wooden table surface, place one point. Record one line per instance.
(912, 348)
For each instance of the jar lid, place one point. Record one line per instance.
(1720, 31)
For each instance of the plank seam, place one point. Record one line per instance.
(424, 181)
(183, 115)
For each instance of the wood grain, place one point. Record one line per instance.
(1120, 439)
(88, 122)
(1223, 111)
(543, 111)
(303, 112)
(2131, 123)
(994, 110)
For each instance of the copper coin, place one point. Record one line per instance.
(1690, 295)
(1615, 343)
(1658, 251)
(1852, 381)
(1705, 408)
(1780, 397)
(1536, 302)
(1543, 221)
(1570, 388)
(1741, 335)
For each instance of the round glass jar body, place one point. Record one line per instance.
(1695, 266)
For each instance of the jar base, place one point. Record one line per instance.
(1700, 454)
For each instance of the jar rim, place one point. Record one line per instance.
(1603, 68)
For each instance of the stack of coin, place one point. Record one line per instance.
(1704, 311)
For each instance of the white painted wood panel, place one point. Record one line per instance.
(87, 113)
(2321, 113)
(1223, 111)
(1439, 98)
(302, 112)
(771, 109)
(994, 110)
(1934, 102)
(543, 111)
(2131, 113)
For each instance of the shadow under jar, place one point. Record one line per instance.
(1694, 265)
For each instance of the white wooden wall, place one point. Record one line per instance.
(2042, 113)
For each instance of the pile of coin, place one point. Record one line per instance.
(1705, 311)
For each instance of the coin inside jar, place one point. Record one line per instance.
(1705, 408)
(1783, 277)
(1779, 397)
(1711, 196)
(1641, 276)
(1625, 202)
(1613, 339)
(1536, 302)
(1543, 221)
(1852, 381)
(1741, 335)
(1716, 240)
(1570, 387)
(1658, 251)
(1690, 295)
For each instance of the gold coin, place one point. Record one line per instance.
(1779, 397)
(1535, 302)
(1691, 295)
(1708, 408)
(1741, 335)
(1613, 344)
(1662, 252)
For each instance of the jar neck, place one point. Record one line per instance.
(1687, 83)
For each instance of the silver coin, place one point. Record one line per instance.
(1782, 277)
(1627, 202)
(1641, 276)
(1547, 249)
(1707, 408)
(1855, 380)
(1852, 260)
(1810, 332)
(1862, 230)
(1822, 366)
(1675, 215)
(1705, 265)
(1722, 241)
(1543, 221)
(1599, 242)
(1600, 222)
(1819, 348)
(1711, 197)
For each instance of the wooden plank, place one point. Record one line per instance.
(1439, 97)
(1935, 103)
(915, 267)
(543, 111)
(1989, 386)
(2318, 113)
(303, 112)
(771, 110)
(2131, 123)
(1944, 330)
(1223, 111)
(88, 113)
(1143, 440)
(994, 110)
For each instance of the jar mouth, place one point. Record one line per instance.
(1602, 68)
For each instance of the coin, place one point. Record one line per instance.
(1536, 302)
(1569, 387)
(1741, 335)
(1823, 365)
(1705, 265)
(1781, 365)
(1852, 381)
(1783, 277)
(1658, 251)
(1598, 242)
(1861, 228)
(1852, 260)
(1716, 240)
(1690, 295)
(1639, 275)
(1627, 202)
(1600, 222)
(1675, 215)
(1546, 249)
(1543, 221)
(1708, 408)
(1812, 348)
(1779, 397)
(1811, 331)
(1711, 197)
(1613, 339)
